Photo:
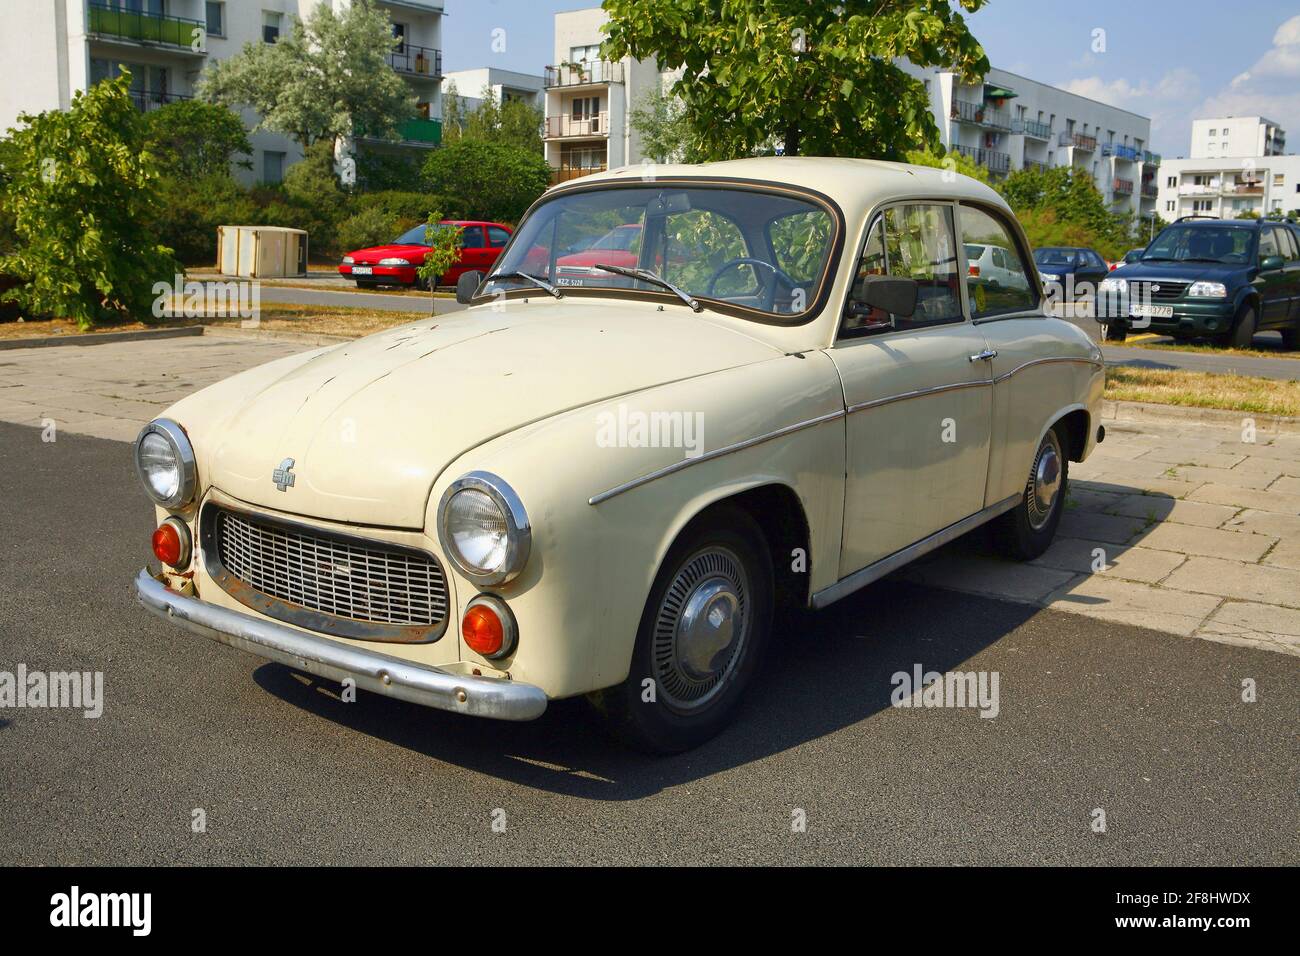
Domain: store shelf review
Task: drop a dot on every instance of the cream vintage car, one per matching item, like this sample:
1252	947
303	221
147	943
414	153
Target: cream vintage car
784	381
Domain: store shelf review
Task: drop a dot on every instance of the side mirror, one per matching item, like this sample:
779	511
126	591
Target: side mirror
1271	263
466	286
888	293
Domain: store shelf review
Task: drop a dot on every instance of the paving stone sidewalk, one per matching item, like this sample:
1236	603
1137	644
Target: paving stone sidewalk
1179	526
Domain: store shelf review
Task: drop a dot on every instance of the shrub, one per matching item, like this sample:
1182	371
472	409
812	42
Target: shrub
194	208
191	138
371	227
481	180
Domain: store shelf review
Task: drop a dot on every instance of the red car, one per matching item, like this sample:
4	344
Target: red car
395	264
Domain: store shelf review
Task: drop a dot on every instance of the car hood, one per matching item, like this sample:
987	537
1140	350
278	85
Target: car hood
371	424
375	253
1183	272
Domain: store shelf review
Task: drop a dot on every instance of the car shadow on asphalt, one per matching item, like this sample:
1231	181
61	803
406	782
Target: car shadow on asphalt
826	671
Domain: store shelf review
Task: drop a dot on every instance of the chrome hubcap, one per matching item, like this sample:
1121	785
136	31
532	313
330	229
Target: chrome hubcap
1044	482
700	629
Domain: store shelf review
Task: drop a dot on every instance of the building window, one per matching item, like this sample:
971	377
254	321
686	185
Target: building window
216	12
272	167
1171	182
585	54
1214	132
399	32
271	22
1201	205
1278	179
1169	206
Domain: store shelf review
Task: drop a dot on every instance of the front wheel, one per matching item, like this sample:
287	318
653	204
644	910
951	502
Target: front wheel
1290	339
1115	332
1243	330
701	637
1026	531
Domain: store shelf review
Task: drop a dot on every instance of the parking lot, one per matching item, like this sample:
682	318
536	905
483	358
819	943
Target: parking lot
1120	690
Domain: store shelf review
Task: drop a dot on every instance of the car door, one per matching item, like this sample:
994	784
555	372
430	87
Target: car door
917	392
497	236
1287	248
1274	284
475	253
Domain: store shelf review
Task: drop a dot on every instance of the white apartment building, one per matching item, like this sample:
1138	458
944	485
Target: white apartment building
68	45
1236	167
1236	136
589	100
1009	122
505	86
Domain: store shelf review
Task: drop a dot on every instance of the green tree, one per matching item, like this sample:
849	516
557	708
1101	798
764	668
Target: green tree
191	138
455	113
82	188
513	122
659	118
819	78
444	242
487	180
957	162
1078	211
328	78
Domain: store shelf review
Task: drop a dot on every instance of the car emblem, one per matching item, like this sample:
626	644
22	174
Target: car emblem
1155	288
283	476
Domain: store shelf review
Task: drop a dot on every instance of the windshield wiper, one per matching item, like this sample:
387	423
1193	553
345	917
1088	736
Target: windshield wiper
540	283
647	276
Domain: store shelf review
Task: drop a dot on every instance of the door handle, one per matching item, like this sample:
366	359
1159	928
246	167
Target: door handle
988	355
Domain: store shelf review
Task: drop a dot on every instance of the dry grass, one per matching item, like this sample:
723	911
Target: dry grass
1238	393
324	320
1169	345
37	328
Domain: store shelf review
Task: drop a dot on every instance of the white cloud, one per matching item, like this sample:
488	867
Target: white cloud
1269	87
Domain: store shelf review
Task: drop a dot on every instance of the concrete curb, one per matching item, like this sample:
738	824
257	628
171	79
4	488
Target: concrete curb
1147	411
98	338
276	335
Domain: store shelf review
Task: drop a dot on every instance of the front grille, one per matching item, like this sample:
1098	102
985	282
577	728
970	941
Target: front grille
346	578
1168	290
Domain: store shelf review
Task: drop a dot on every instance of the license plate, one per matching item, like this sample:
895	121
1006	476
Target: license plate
1152	311
362	271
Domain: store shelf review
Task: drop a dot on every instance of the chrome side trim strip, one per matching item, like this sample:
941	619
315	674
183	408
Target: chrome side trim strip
375	672
918	393
873	572
710	455
1047	361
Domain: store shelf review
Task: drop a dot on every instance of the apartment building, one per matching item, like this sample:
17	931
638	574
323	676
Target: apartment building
1008	122
589	100
503	85
68	45
1236	167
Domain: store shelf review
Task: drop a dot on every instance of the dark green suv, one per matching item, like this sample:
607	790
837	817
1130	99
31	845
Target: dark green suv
1222	279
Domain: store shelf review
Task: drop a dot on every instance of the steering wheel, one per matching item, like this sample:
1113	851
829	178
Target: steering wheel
777	273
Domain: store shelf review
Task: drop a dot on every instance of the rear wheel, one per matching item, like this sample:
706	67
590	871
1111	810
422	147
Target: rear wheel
366	284
1115	332
1243	328
1291	339
1026	531
701	637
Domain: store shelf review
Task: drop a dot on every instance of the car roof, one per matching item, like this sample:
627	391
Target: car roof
1062	249
1219	223
855	184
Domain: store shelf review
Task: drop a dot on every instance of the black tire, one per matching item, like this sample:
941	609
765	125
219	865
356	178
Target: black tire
1243	328
723	549
1114	332
1290	339
363	284
1027	530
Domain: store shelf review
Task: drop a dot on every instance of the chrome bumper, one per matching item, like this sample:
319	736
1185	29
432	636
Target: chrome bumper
378	673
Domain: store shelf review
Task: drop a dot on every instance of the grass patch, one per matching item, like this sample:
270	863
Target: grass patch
324	319
1237	393
38	328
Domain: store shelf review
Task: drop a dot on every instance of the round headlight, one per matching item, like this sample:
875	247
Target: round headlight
484	528
394	261
164	460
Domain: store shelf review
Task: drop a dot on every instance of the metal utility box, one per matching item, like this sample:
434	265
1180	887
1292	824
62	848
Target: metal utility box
261	252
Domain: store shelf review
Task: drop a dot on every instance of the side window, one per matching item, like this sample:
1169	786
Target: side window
995	294
497	237
1268	244
860	318
920	245
472	237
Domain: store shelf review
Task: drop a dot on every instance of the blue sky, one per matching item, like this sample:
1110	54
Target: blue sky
1171	60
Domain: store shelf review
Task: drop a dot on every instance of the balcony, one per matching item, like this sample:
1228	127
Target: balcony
980	115
145	101
412	60
562	174
1119	152
1122	187
1035	165
595	73
1031	128
420	132
566	126
1078	141
991	159
137	28
1199	189
1244	189
1149	189
1149	158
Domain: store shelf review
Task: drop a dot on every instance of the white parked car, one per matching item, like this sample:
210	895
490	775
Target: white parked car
606	490
995	267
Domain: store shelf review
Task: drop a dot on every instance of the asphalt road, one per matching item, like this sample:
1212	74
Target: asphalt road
1147	727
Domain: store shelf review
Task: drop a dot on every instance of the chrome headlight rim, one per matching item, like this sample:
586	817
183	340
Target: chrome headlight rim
186	464
519	532
1207	289
394	261
1114	286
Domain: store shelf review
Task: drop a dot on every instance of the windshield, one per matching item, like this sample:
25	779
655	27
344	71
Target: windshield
1056	257
757	250
1226	244
412	237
